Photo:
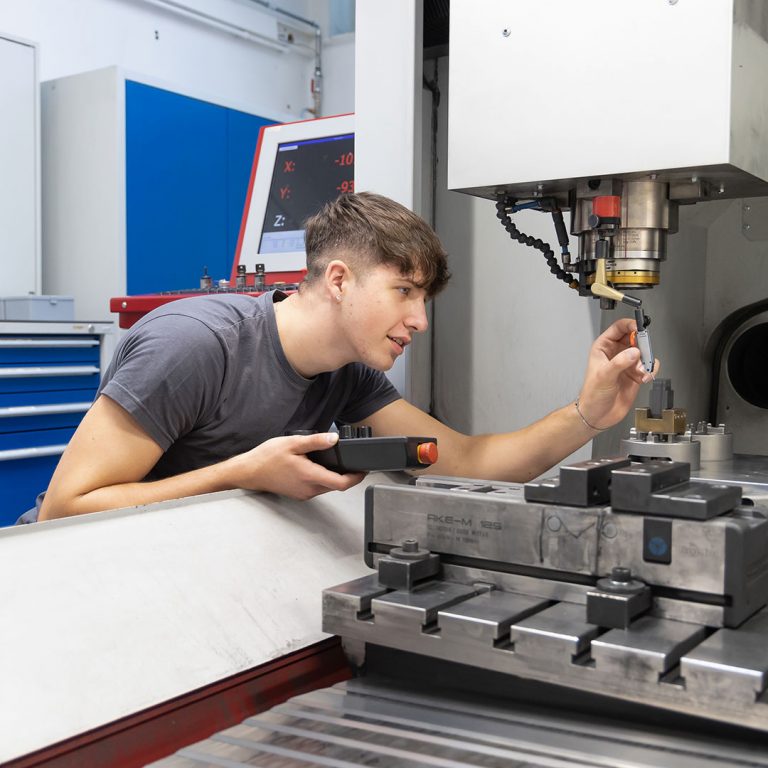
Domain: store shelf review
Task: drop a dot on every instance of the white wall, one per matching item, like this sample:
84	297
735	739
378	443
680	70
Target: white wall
81	35
155	45
20	259
339	75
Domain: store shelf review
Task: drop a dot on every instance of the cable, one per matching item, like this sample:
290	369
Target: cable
505	203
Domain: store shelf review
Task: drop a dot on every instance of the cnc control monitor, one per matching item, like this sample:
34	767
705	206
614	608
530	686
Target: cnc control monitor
306	175
298	168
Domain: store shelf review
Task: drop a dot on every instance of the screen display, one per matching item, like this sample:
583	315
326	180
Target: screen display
307	174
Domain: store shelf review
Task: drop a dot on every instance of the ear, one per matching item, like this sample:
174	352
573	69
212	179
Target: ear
338	275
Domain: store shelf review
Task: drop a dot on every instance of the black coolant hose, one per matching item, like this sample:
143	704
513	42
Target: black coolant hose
501	213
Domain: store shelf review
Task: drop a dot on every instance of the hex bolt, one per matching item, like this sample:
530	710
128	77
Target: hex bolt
506	32
621	575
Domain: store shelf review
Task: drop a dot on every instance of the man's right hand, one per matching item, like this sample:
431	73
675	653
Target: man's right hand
280	465
109	456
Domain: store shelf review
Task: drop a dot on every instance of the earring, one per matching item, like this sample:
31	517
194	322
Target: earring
338	297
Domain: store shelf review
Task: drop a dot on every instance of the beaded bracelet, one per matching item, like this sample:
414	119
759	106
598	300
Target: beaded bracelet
586	423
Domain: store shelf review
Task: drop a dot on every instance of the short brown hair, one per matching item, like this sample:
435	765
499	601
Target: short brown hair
372	229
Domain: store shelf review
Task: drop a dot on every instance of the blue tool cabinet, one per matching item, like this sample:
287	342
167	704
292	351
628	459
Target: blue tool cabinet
143	187
49	375
188	164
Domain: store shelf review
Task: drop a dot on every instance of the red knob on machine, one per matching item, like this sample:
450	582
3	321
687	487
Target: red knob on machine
607	206
426	453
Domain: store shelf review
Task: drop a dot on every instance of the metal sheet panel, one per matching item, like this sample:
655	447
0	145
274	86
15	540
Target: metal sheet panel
134	607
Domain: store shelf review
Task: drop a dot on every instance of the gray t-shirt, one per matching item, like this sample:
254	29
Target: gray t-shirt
207	379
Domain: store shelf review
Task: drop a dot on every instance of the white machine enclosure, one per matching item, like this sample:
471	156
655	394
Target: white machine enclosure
547	96
551	91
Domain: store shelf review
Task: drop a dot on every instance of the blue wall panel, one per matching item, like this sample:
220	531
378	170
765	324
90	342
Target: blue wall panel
176	189
187	170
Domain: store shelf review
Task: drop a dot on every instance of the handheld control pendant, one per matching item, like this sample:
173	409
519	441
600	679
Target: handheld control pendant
642	340
357	450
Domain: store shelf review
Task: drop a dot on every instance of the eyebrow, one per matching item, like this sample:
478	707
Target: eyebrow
412	281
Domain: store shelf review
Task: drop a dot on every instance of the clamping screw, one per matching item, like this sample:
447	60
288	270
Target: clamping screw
410	545
621	575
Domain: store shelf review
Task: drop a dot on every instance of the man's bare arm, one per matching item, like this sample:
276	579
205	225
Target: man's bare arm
514	456
109	455
611	383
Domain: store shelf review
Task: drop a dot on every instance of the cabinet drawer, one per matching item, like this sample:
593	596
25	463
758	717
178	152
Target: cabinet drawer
21	480
21	399
24	418
48	378
15	351
11	442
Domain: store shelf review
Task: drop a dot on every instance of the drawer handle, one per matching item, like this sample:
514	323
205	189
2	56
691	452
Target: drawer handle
43	410
53	370
32	453
16	343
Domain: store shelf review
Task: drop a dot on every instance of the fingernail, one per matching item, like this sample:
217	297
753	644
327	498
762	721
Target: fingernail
333	438
647	378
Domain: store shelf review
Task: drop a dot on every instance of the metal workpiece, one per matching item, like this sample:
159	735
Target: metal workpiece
354	595
418	608
661	432
661	397
617	600
672	421
584	484
663	488
554	637
731	665
662	447
647	650
486	617
406	565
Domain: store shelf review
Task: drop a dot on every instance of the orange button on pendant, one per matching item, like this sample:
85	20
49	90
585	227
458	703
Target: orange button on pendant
426	453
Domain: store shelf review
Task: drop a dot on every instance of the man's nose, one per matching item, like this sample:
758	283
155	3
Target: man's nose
418	321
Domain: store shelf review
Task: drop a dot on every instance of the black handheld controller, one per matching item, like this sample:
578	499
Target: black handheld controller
358	451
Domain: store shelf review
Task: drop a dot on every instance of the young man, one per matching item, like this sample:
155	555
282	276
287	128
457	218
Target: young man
202	391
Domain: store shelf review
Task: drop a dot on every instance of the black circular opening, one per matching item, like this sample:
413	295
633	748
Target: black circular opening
748	365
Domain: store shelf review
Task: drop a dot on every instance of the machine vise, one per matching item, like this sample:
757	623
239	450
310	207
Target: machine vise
621	578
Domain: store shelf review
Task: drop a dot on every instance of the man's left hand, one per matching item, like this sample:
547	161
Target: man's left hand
614	375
